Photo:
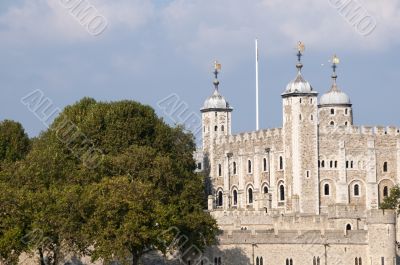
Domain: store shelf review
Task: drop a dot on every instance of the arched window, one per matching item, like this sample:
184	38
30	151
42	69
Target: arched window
280	163
216	128
219	261
359	261
258	261
281	192
356	261
261	261
219	170
345	123
265	189
332	123
335	164
215	261
234	168
348	227
265	164
318	261
235	197
222	128
291	262
287	261
220	199
356	190
326	189
385	167
385	191
249	166
315	261
250	194
331	164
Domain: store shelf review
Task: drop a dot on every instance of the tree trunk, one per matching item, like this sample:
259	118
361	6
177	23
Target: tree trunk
135	259
41	258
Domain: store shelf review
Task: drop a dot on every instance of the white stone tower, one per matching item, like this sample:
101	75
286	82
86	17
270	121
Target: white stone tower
216	114
300	139
335	106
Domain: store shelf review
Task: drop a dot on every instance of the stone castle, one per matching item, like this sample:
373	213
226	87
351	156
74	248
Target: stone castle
306	193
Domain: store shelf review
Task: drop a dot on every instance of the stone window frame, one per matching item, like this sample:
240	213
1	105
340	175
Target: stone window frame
234	188
219	200
248	188
353	189
263	186
249	166
234	168
281	183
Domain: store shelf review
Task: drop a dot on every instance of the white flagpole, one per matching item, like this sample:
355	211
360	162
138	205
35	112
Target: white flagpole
257	107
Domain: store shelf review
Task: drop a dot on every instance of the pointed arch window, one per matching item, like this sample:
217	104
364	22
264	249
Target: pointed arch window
281	192
265	189
250	195
219	199
235	197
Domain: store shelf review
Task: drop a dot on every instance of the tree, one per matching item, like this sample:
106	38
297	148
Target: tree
14	142
393	200
111	180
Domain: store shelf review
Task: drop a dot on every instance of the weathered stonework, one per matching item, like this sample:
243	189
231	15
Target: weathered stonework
310	189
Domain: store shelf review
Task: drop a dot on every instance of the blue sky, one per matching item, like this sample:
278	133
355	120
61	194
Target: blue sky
152	49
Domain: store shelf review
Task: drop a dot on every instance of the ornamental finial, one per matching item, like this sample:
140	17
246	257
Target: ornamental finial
217	69
335	62
300	50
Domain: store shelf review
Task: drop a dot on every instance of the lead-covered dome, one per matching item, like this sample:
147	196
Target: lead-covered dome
299	85
335	97
215	101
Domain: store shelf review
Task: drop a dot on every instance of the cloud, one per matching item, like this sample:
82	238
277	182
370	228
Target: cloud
57	20
226	25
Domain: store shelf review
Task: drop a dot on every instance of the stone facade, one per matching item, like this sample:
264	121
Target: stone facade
306	193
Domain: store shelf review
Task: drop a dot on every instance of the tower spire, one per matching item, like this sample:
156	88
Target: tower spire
335	62
217	69
300	50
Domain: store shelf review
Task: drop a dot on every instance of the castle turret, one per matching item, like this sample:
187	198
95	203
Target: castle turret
216	114
300	131
335	105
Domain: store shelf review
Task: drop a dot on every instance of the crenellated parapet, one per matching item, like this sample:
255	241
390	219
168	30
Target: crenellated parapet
361	130
381	217
249	137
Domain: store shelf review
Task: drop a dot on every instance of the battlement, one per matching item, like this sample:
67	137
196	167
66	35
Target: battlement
249	136
346	211
361	130
381	217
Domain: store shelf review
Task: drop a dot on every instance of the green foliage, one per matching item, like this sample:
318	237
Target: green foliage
14	142
393	200
143	184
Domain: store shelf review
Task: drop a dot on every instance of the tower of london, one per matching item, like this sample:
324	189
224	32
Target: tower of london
306	193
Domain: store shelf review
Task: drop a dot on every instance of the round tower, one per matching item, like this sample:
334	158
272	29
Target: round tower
300	136
216	114
335	105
